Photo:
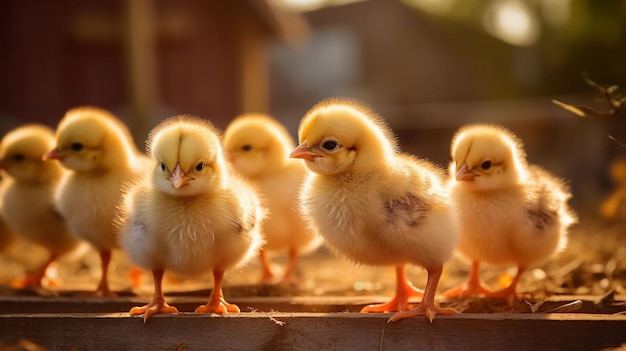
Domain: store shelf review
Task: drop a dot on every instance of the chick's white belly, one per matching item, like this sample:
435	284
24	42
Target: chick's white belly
185	247
365	235
33	218
505	237
90	216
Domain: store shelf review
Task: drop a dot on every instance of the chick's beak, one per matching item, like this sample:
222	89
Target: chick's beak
53	154
465	174
303	152
178	177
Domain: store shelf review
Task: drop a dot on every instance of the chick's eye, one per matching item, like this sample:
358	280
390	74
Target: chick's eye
76	146
485	165
246	147
162	166
18	157
199	166
330	145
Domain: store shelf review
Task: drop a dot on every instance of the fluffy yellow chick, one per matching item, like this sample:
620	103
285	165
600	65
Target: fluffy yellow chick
258	147
373	204
99	153
27	195
193	215
509	212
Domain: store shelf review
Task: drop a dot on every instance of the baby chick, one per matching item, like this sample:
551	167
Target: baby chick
28	195
258	147
193	215
509	212
373	204
99	153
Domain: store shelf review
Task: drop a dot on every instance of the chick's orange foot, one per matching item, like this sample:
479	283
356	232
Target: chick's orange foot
154	307
404	291
219	306
400	302
30	281
423	309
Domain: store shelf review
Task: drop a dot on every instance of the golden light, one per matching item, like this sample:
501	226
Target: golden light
512	21
308	5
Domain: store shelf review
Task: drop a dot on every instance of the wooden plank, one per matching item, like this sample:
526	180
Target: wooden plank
314	331
327	304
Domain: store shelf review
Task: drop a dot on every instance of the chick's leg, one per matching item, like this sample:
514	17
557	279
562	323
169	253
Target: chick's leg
34	279
509	293
103	287
216	303
427	307
267	275
289	277
472	287
158	304
404	291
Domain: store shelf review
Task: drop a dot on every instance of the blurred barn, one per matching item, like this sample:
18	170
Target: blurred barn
427	66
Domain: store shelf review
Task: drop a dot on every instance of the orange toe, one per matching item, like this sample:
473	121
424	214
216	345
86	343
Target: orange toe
27	282
153	308
429	311
219	306
400	302
396	304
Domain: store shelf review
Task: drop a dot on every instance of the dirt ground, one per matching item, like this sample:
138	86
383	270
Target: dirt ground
592	264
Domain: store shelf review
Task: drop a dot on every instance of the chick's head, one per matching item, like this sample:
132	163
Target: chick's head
487	157
342	135
188	156
257	144
21	154
91	139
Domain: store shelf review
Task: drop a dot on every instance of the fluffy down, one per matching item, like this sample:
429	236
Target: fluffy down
192	214
98	151
509	212
258	148
372	203
27	195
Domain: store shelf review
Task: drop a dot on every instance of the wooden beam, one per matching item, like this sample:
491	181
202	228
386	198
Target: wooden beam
254	66
314	331
326	304
141	65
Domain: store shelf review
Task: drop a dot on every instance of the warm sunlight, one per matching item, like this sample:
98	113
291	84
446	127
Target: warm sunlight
513	22
308	5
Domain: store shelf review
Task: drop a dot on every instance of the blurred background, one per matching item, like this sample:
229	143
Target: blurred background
427	66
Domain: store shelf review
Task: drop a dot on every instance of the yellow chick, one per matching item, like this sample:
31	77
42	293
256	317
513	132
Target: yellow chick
27	195
99	153
372	203
193	215
509	212
258	148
